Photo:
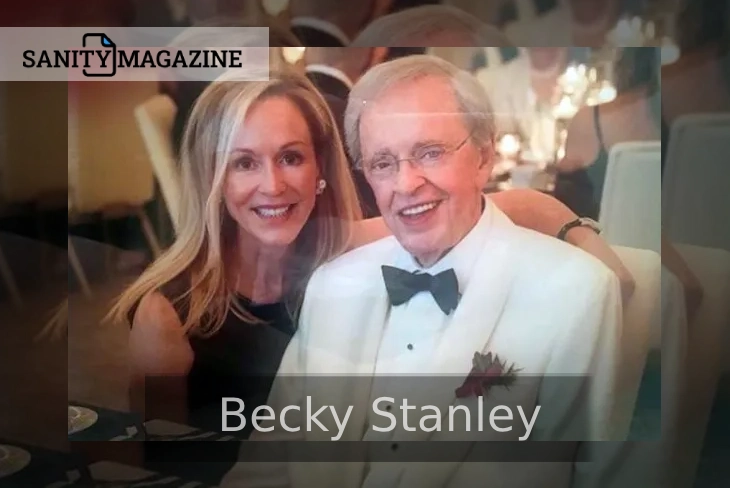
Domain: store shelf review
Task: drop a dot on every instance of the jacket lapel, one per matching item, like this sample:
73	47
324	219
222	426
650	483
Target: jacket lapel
346	378
473	322
470	330
480	307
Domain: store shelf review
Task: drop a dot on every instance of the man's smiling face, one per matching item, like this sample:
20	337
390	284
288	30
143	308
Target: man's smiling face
429	208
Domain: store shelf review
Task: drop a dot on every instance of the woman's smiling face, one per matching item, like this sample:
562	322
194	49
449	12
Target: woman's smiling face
271	178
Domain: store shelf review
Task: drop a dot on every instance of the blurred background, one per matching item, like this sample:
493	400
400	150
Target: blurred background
626	129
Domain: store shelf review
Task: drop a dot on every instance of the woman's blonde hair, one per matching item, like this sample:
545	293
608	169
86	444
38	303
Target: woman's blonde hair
207	232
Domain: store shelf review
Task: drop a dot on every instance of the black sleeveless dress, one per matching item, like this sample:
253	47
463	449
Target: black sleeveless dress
581	190
240	360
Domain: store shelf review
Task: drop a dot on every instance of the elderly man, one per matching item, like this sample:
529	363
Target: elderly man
458	292
333	70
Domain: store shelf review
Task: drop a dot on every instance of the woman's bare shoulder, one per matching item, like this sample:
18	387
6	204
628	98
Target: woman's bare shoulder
158	343
367	231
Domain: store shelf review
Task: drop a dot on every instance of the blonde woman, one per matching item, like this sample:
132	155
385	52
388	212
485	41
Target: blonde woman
268	198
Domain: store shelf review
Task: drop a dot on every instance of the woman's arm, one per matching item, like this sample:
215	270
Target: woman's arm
542	213
693	292
366	231
161	358
533	210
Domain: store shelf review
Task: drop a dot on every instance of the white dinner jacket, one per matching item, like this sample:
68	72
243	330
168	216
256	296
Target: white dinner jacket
540	303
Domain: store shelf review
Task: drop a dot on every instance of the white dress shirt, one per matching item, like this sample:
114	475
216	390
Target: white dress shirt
413	328
412	333
513	283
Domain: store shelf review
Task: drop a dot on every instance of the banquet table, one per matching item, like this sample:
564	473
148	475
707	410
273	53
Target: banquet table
92	461
508	174
23	465
36	467
104	450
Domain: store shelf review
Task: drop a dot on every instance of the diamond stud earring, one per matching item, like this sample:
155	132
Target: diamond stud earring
321	185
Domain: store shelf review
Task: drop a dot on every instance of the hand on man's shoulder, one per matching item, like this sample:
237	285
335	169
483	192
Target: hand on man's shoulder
553	257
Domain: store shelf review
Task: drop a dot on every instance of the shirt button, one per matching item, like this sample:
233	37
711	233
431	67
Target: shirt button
387	408
394	446
410	347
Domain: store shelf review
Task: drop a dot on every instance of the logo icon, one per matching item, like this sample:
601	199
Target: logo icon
105	50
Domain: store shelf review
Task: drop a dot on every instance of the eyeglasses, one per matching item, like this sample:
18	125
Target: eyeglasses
426	157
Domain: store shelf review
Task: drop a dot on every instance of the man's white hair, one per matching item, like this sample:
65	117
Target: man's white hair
425	22
471	98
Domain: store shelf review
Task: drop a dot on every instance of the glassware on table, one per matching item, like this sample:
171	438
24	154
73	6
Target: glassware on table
508	150
601	93
566	108
509	146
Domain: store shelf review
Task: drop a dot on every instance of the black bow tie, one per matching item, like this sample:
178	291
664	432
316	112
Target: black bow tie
402	285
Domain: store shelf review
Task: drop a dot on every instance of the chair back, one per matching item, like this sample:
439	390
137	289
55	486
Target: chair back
695	205
155	118
631	211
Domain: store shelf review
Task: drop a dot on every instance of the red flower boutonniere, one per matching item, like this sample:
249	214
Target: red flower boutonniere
487	371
